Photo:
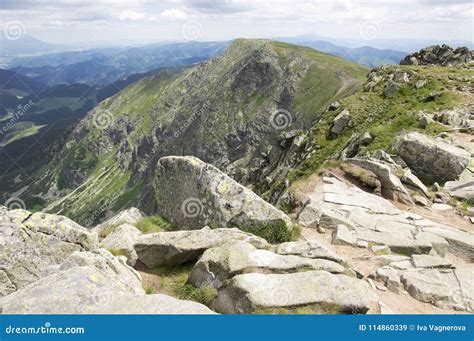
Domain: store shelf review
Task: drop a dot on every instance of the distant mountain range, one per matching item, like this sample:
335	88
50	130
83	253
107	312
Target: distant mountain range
103	66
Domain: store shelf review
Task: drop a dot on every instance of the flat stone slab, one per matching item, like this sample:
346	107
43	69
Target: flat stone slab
426	261
309	249
256	292
445	289
358	217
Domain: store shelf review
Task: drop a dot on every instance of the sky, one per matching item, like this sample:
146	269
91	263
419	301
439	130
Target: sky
75	22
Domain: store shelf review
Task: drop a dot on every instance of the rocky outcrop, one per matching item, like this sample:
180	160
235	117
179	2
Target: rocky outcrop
175	248
431	158
355	216
93	283
192	194
440	55
30	243
219	264
315	291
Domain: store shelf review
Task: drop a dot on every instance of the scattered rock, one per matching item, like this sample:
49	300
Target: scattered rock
91	282
391	89
309	216
389	277
392	187
129	216
340	122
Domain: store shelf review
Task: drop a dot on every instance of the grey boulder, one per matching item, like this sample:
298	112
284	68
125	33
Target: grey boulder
192	194
178	247
430	157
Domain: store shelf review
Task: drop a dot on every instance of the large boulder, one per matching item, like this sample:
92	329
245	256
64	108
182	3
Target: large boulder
340	122
30	243
219	264
192	194
315	291
90	283
178	247
432	158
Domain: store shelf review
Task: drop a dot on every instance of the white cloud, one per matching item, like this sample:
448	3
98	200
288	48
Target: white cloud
127	15
174	13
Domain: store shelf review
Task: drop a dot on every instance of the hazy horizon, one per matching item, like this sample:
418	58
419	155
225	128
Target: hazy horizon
134	22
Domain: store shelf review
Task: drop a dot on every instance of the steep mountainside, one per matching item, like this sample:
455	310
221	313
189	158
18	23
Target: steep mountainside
234	112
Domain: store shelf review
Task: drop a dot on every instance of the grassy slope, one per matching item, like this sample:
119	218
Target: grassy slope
384	117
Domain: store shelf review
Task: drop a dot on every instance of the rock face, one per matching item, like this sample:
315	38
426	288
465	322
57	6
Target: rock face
441	55
255	292
193	194
430	157
93	283
175	248
30	243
